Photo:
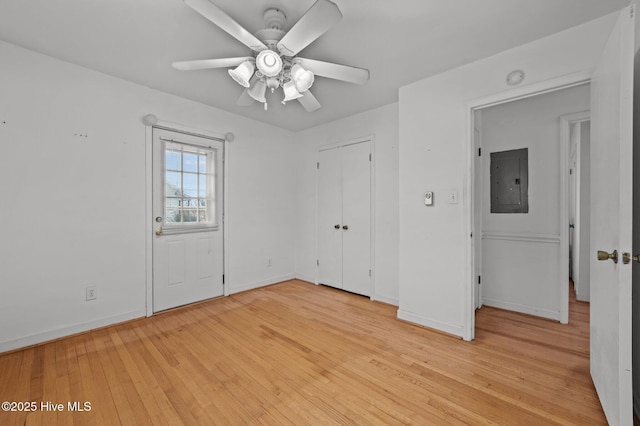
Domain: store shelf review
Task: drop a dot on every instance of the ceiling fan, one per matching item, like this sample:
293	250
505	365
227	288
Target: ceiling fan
274	62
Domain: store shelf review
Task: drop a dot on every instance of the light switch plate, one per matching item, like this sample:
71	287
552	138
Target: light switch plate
453	197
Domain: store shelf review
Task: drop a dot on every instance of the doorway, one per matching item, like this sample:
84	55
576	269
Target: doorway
521	180
576	128
187	219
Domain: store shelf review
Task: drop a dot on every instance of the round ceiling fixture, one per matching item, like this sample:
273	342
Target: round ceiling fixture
269	63
515	77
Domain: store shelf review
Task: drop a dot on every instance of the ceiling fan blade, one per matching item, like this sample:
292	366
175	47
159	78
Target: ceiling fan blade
323	15
335	71
245	99
204	64
224	21
309	102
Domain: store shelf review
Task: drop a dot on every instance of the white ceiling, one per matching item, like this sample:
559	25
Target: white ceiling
398	41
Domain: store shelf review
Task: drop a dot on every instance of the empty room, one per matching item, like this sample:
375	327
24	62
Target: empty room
319	212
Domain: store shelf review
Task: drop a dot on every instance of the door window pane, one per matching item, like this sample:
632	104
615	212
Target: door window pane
189	185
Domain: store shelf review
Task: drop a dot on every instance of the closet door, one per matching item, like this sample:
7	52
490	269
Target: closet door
356	218
330	218
344	218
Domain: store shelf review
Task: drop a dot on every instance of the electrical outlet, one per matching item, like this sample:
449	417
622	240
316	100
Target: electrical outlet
91	293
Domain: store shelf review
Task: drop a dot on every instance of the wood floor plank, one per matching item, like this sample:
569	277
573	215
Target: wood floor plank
296	353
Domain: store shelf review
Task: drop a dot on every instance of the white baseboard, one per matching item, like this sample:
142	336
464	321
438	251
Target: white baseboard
385	299
46	336
306	278
523	309
258	284
454	329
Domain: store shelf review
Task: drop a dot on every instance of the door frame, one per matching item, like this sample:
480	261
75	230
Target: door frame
470	209
148	226
566	121
334	145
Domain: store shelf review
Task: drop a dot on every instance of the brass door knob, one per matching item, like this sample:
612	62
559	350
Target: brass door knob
159	232
627	257
603	255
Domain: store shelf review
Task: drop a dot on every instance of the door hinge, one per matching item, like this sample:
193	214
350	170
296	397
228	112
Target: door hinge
472	235
317	262
369	157
318	165
479	152
479	280
369	273
570	171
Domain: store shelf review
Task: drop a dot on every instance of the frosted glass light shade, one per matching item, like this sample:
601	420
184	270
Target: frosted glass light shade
302	78
242	73
258	91
269	63
290	91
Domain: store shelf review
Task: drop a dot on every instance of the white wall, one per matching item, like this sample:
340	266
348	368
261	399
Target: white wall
434	275
521	252
73	196
382	124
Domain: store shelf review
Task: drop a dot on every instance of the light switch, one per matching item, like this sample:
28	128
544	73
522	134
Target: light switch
453	197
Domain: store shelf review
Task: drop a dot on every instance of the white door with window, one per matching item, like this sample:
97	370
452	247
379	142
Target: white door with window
187	218
344	217
611	221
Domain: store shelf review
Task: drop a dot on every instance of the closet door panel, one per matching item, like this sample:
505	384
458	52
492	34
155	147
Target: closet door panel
356	213
330	218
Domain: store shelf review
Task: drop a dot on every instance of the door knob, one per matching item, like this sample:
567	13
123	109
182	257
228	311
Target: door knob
159	232
603	255
627	257
345	227
337	226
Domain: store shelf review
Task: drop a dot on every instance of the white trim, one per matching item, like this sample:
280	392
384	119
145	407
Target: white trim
385	299
528	238
524	309
57	333
226	265
148	220
180	128
354	141
262	283
562	82
454	329
303	277
565	141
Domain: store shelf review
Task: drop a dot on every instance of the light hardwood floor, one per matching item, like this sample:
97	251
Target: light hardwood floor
296	353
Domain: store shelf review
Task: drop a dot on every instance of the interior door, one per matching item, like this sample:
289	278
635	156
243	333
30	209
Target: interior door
187	219
356	214
611	221
573	186
330	217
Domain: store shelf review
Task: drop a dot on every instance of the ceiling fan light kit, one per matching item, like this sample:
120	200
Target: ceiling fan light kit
242	73
275	63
